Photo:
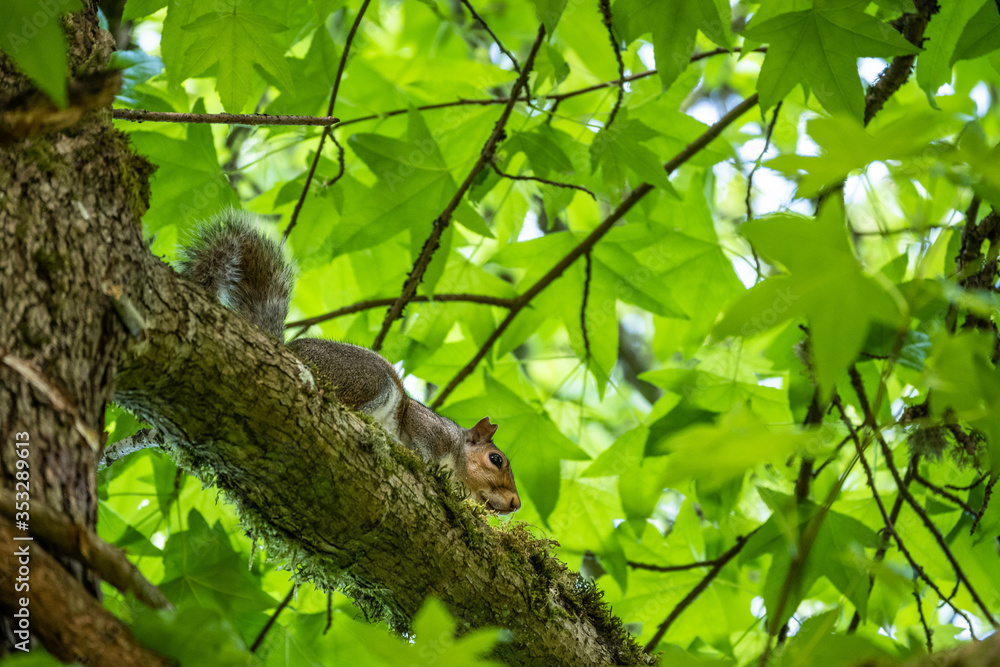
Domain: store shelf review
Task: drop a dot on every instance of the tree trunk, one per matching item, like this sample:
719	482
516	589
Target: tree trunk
70	205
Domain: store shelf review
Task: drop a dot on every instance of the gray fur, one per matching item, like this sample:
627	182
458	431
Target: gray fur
232	258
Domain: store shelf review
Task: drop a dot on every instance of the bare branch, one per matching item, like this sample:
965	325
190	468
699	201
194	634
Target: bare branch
944	494
146	438
557	97
71	623
142	116
898	71
443	220
583	305
496	40
584	246
986	502
607	19
903	489
270	621
518	177
360	306
699	588
329	112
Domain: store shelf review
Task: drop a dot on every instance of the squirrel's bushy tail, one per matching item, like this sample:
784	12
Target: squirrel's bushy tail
232	258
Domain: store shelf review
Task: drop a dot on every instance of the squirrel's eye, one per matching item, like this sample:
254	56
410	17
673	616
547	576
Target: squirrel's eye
496	460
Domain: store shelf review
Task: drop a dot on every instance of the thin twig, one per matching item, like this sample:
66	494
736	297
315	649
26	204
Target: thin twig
518	177
671	568
496	40
831	458
584	246
944	494
502	302
329	612
923	622
441	223
270	622
871	422
583	305
968	487
556	97
888	519
329	112
756	166
146	438
340	161
608	20
141	116
986	502
699	588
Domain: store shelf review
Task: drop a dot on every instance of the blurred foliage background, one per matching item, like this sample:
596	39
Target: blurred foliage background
684	406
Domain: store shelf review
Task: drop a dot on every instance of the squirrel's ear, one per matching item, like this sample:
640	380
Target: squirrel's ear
483	431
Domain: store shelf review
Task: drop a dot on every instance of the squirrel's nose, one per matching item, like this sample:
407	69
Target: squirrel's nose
515	503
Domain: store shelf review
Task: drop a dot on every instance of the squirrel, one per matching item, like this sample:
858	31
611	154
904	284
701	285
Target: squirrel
235	261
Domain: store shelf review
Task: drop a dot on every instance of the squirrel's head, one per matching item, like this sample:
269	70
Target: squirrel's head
487	472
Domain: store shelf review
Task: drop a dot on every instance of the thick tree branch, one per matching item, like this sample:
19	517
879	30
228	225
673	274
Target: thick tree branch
315	483
69	620
70	538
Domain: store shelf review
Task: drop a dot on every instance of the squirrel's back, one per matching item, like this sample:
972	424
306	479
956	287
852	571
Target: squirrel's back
239	264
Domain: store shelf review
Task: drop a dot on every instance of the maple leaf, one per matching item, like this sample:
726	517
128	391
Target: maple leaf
236	41
819	48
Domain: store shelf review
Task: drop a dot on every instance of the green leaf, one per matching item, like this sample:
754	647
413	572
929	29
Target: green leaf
137	9
118	532
434	632
818	48
549	12
675	24
202	569
619	148
816	644
192	636
941	38
980	36
31	35
714	454
846	146
235	41
825	285
541	147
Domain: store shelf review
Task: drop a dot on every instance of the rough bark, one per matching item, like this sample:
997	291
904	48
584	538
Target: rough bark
327	490
315	482
69	226
71	622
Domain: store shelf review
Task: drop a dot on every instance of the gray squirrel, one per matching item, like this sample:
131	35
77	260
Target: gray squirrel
234	260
